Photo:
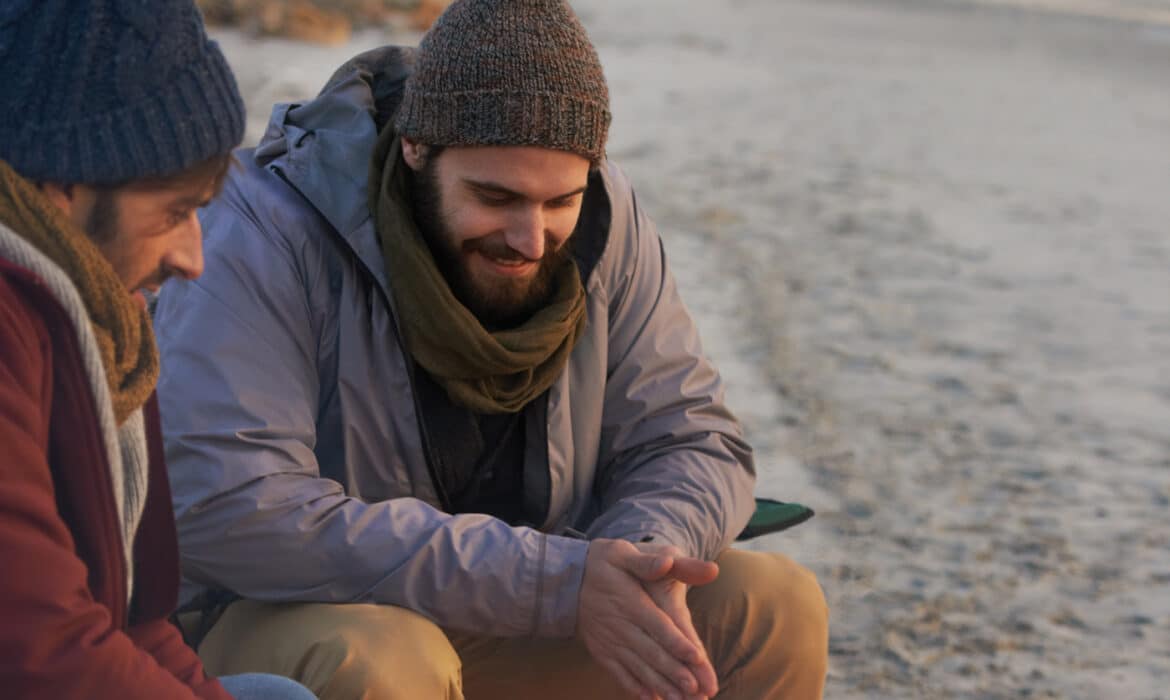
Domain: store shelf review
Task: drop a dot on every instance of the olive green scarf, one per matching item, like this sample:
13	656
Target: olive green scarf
120	324
488	372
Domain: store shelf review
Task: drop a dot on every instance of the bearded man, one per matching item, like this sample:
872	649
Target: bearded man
438	422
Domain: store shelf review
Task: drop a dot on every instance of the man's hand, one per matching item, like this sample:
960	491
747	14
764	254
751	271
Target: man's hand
633	636
669	593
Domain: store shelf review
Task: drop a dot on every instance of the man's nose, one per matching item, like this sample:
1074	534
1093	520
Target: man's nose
185	259
527	233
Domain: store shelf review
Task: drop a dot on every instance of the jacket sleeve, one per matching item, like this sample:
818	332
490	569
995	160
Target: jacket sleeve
165	644
56	641
673	464
239	396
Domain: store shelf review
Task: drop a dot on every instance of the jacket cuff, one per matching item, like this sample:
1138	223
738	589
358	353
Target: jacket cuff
559	587
636	533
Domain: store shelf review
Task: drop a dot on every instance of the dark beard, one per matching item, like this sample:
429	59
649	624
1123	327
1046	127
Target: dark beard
496	306
102	223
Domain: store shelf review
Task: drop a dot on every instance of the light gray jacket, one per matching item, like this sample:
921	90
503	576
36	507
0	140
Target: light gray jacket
297	465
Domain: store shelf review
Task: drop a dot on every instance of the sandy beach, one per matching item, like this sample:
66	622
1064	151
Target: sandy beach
928	244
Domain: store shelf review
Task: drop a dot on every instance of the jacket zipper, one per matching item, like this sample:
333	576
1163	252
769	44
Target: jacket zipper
428	456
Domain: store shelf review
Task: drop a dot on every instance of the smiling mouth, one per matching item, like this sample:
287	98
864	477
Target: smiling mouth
510	266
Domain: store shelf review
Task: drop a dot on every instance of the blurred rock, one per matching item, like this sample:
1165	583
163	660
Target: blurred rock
302	20
321	21
427	12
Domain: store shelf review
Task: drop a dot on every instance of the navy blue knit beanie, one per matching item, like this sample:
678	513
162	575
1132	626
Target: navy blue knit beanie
108	91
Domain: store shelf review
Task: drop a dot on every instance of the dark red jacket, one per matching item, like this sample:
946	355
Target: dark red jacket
65	629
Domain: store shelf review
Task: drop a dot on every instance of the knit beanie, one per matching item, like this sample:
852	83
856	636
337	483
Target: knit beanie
108	91
507	73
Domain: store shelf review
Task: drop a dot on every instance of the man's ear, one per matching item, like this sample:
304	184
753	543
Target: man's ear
62	196
415	154
75	200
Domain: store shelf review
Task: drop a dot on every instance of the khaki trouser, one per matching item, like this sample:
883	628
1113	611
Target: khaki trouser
764	622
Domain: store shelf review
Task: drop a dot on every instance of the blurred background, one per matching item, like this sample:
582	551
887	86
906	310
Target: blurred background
928	245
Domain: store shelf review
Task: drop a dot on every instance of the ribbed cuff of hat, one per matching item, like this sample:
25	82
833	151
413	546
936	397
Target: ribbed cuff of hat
499	117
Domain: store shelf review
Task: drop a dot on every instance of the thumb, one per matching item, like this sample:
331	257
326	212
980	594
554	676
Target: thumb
649	567
694	572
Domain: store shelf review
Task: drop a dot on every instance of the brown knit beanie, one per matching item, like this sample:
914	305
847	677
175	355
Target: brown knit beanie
507	73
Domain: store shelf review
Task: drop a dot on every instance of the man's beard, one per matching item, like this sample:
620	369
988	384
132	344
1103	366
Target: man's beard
103	227
497	303
102	223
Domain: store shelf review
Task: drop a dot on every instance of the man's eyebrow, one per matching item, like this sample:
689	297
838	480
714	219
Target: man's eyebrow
493	188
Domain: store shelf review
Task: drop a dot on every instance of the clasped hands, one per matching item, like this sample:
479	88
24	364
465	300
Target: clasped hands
633	619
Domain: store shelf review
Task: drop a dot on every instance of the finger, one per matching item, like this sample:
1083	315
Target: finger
675	607
643	566
690	570
708	682
671	599
694	572
679	665
702	670
650	678
677	672
624	678
658	626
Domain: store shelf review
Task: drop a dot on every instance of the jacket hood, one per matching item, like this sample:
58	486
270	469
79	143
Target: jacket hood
322	147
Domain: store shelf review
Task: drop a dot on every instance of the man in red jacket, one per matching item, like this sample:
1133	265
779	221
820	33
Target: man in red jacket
117	120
